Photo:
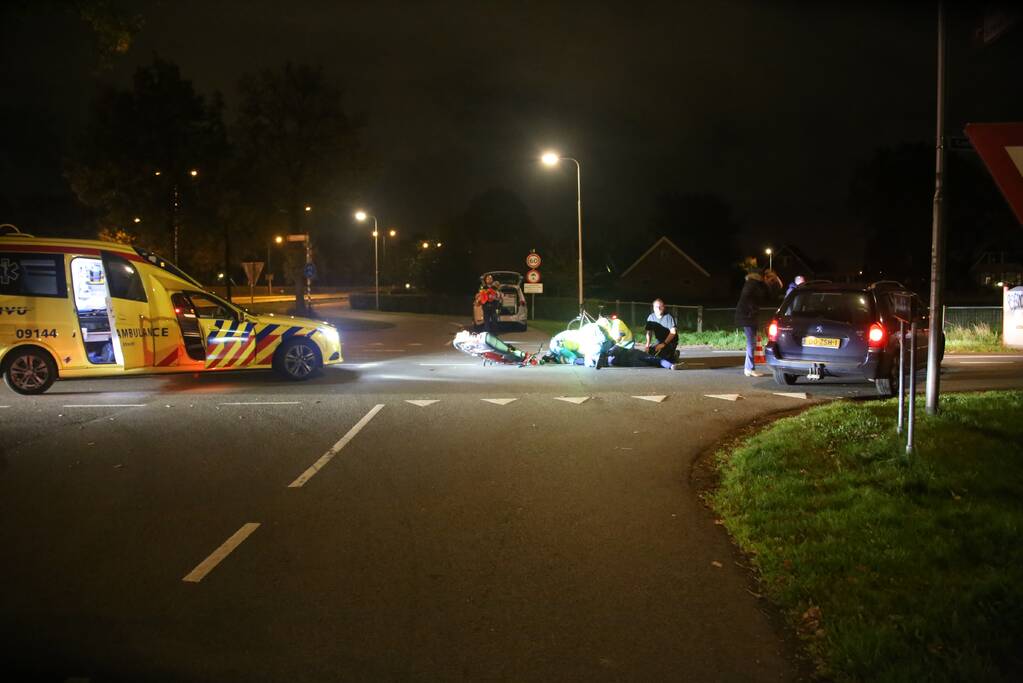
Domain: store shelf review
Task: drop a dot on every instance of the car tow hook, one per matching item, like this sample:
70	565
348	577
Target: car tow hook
815	372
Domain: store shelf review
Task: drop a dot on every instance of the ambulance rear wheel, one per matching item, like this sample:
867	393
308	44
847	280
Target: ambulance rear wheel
298	359
29	371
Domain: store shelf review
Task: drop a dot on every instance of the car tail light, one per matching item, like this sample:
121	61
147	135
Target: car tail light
772	331
876	335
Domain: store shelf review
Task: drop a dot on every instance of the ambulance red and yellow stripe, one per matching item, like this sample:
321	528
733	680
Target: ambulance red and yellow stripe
237	344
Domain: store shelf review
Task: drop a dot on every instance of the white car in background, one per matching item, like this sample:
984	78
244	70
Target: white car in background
513	313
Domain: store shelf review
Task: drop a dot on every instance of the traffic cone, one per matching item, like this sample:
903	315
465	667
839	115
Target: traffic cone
758	353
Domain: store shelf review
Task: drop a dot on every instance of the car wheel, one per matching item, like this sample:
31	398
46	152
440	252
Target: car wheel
30	371
298	359
783	378
886	386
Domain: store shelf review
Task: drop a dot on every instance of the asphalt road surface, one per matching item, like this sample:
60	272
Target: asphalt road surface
410	515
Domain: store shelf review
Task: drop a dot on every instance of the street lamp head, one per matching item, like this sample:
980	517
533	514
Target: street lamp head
439	244
426	245
308	208
157	172
278	239
550	159
194	172
375	233
392	232
768	251
136	219
360	215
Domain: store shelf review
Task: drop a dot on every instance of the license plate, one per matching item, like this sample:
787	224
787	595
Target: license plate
822	342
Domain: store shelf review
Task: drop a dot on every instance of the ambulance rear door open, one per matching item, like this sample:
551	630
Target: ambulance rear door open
112	309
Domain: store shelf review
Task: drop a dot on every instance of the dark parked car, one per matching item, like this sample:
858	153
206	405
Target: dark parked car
843	330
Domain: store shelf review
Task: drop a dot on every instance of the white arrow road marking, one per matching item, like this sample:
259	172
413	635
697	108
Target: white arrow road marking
655	399
422	402
572	399
498	401
218	555
724	397
342	442
792	394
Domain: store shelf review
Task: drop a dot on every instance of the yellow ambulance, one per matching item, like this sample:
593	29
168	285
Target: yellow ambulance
85	308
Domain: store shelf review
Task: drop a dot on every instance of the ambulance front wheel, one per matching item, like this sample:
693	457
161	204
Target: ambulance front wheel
29	371
298	359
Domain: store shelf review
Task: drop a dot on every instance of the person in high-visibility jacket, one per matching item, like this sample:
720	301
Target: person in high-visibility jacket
489	301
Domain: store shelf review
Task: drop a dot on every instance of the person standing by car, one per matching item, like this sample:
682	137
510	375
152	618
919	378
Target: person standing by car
660	325
489	300
755	293
796	281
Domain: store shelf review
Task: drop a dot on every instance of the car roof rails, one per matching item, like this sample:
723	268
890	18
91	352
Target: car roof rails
887	283
8	229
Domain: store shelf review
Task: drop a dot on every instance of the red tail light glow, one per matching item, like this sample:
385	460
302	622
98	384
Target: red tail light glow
772	331
876	336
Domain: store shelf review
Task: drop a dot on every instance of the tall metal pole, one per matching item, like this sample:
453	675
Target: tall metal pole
376	263
174	219
937	235
579	214
902	374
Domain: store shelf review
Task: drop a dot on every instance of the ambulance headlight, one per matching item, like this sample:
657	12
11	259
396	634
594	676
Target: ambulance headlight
330	333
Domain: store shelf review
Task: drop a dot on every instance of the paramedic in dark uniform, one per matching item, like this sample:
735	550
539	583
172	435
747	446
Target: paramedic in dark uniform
661	326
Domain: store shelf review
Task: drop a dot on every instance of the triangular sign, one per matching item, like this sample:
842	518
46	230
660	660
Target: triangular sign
498	401
792	394
572	399
422	402
1000	146
724	397
655	399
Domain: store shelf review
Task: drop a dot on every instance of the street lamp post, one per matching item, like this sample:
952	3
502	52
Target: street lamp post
361	216
278	240
390	233
770	257
552	159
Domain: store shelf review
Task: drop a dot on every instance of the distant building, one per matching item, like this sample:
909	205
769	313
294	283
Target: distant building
789	262
667	272
998	266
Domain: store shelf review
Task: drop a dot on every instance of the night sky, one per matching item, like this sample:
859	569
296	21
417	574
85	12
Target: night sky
769	105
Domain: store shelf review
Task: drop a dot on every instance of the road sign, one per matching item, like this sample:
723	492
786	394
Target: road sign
532	288
252	270
309	271
298	238
533	260
902	306
532	276
1000	146
1012	316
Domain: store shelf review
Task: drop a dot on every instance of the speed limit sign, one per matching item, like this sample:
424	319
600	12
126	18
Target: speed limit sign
533	260
532	276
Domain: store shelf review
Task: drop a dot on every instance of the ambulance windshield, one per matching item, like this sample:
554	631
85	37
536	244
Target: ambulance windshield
163	263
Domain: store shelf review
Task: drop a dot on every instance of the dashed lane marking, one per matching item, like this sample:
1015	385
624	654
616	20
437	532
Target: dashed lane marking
654	399
422	402
336	448
499	401
792	394
105	405
262	403
573	399
218	555
449	365
725	397
414	344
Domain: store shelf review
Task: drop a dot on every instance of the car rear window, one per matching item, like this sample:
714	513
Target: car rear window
853	307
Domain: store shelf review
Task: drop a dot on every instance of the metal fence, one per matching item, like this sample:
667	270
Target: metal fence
634	313
967	316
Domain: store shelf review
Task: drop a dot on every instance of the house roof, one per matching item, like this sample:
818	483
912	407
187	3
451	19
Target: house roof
673	246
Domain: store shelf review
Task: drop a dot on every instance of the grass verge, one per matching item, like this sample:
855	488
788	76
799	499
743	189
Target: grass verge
976	338
889	571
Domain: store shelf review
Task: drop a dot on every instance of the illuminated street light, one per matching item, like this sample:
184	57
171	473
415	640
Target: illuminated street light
770	257
552	159
392	232
426	245
136	219
308	208
156	173
193	173
361	216
278	239
438	244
